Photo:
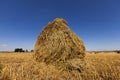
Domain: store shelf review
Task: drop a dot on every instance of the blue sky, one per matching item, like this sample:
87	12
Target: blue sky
97	22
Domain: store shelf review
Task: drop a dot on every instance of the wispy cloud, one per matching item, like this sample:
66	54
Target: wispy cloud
3	45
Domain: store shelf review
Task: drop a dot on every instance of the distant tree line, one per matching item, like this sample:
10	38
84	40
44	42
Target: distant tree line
21	50
118	51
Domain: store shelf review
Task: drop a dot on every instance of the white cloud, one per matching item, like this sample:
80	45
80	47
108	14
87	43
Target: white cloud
3	45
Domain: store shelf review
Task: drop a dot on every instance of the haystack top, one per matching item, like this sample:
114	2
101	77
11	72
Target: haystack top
59	21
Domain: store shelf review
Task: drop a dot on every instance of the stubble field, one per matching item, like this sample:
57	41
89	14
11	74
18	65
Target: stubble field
21	66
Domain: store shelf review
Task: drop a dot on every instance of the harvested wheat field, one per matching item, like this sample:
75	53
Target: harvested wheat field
59	40
20	66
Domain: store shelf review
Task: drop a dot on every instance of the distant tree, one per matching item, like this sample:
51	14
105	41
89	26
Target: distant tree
26	50
118	51
32	50
19	50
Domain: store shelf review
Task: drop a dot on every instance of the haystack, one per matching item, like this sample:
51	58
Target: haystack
1	66
59	46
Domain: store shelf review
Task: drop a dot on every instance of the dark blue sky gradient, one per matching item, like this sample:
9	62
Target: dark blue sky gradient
97	22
